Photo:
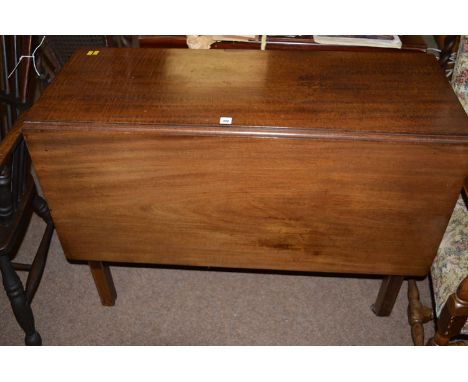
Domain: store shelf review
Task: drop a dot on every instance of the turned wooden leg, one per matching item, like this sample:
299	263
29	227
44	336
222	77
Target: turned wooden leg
453	316
387	296
104	283
418	314
37	268
19	303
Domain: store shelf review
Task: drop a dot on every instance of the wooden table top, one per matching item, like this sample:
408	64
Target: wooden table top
335	92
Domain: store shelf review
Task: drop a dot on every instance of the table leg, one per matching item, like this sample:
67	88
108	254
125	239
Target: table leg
104	283
21	308
387	296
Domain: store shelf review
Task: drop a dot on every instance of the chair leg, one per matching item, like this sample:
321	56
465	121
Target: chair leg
453	316
387	296
418	314
104	283
37	268
19	303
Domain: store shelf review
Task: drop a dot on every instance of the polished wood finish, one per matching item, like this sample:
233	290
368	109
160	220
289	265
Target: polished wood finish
9	143
387	296
335	162
267	203
104	283
352	94
418	314
453	316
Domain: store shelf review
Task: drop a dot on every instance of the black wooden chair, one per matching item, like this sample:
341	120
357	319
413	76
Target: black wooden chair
18	194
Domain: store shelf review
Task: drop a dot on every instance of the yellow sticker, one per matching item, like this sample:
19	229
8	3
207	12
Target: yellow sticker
90	53
96	52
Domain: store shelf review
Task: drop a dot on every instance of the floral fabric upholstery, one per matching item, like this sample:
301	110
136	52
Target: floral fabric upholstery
460	73
450	266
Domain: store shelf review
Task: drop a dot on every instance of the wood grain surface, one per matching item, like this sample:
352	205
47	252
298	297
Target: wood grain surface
335	162
9	143
382	92
294	204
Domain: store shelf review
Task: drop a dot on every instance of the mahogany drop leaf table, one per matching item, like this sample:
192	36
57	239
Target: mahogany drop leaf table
342	162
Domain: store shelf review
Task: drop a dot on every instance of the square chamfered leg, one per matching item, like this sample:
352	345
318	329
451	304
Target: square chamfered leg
387	296
104	283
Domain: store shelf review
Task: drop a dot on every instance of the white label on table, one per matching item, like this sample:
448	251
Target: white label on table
225	120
